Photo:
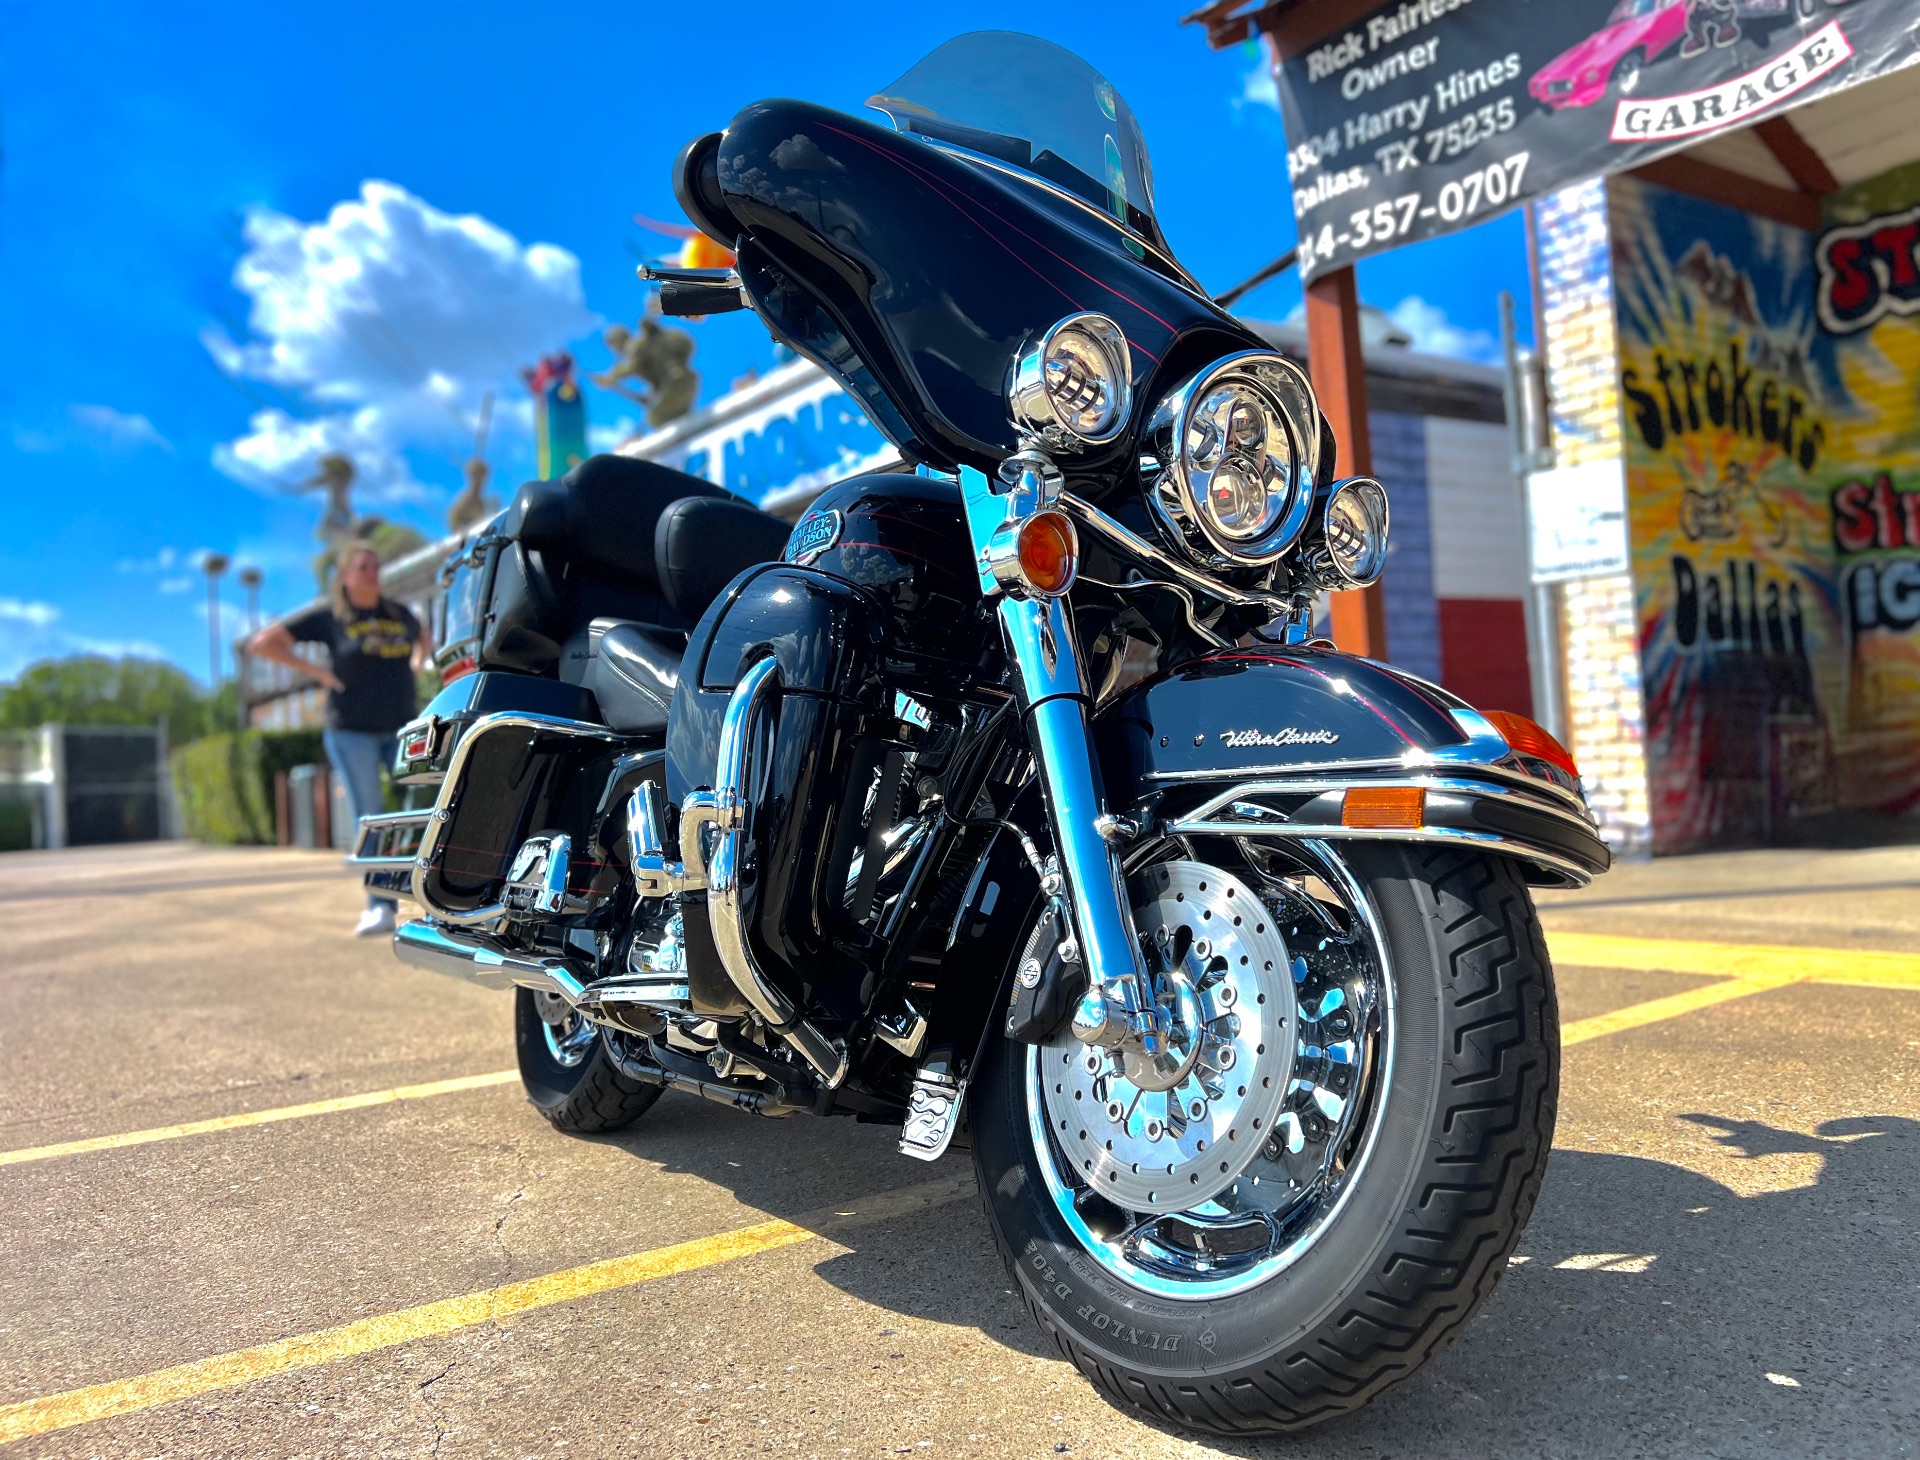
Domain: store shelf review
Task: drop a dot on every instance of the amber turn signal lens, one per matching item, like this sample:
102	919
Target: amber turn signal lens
1527	738
1396	806
1049	551
701	252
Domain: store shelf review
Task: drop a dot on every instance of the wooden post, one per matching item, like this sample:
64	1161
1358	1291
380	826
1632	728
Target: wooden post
1340	380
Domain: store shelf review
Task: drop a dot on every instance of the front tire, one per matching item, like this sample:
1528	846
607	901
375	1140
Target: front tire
1460	1122
569	1073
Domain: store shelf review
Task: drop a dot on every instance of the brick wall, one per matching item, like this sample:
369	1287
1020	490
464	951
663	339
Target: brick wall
1606	717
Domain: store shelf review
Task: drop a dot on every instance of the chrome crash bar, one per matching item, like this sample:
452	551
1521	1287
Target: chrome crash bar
455	783
725	808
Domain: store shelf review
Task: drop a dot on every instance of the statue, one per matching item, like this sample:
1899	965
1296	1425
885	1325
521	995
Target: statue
333	474
659	356
475	504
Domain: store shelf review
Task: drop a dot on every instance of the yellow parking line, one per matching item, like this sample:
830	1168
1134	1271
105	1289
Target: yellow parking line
1863	967
1750	967
259	1117
164	1386
1674	1005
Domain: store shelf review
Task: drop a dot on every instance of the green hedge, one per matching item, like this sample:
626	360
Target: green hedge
225	782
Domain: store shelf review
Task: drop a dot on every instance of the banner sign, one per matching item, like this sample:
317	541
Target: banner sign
1427	116
785	435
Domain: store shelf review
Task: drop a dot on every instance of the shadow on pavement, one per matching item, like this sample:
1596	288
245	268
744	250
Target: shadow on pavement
1646	1312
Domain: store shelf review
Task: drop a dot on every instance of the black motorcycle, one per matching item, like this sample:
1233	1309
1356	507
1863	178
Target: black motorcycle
1010	793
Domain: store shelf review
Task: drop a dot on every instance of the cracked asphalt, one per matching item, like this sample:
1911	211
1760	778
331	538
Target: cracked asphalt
1725	1260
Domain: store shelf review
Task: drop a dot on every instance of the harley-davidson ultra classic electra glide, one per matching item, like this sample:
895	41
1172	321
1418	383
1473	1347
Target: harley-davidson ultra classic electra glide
1009	797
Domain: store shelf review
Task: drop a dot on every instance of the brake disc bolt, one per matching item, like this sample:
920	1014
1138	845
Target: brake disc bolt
1114	1112
1198	1110
1154	1130
1223	1057
1224	996
1202	948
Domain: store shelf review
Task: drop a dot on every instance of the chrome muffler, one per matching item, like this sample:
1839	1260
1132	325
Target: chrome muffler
441	950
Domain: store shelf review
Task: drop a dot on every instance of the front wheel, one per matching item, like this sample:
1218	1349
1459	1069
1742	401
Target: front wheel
567	1070
1626	73
1319	1178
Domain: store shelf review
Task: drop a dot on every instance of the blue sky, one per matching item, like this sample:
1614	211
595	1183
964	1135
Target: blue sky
173	248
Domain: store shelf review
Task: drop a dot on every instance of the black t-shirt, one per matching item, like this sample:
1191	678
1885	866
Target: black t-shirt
373	659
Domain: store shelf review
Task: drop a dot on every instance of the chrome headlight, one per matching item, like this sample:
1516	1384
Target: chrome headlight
1345	545
1238	450
1075	387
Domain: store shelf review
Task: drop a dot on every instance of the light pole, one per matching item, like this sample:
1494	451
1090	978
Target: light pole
213	565
250	579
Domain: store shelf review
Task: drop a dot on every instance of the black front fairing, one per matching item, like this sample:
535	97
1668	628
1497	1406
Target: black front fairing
915	274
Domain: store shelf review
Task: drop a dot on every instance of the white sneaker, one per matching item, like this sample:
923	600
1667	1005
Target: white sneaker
374	922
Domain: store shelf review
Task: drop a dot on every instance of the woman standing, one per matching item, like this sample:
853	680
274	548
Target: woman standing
374	646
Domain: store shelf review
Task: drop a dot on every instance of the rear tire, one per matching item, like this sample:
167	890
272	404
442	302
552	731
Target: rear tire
1463	1125
579	1088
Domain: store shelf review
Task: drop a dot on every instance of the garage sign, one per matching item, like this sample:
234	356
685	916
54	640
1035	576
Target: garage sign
1426	116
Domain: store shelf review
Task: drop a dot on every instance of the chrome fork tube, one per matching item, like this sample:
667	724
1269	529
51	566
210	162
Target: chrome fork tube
1040	642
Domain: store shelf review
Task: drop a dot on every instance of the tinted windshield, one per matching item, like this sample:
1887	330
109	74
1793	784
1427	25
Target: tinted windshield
1028	102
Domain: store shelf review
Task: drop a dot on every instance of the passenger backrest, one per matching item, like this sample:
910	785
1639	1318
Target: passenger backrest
700	545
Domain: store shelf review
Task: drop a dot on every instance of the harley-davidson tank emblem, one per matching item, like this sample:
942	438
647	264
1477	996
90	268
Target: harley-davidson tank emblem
813	535
1286	735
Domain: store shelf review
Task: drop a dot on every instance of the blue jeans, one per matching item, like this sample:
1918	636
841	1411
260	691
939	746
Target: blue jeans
357	757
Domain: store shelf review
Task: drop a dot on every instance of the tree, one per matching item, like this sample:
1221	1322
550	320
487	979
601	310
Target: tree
91	689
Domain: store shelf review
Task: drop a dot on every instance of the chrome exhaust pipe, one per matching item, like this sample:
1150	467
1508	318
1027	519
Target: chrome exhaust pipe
726	808
427	945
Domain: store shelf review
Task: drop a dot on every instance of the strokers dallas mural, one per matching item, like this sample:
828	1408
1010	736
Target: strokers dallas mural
1770	384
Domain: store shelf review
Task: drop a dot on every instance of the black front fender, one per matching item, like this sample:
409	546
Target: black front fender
1268	743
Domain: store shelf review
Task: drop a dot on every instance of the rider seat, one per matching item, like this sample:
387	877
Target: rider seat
619	539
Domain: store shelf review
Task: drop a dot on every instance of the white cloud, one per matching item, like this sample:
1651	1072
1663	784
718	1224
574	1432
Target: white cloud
1434	334
175	585
1258	87
118	430
280	450
393	318
30	631
605	438
165	560
113	648
101	427
22	611
34	441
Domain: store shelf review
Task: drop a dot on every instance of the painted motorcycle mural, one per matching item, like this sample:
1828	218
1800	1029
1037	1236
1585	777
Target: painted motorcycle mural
1008	796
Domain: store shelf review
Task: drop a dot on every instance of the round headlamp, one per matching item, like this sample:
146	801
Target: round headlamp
1238	451
1345	545
1075	387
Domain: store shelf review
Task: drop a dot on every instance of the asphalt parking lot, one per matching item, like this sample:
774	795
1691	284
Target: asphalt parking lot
265	1191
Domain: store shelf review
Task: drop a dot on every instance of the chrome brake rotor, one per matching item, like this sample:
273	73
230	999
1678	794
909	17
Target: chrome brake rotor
1166	1134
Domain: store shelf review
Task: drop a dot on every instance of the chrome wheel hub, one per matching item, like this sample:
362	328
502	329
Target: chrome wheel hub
1281	1041
569	1036
1168	1131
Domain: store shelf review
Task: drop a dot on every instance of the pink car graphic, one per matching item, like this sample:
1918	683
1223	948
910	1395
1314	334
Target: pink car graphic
1613	56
